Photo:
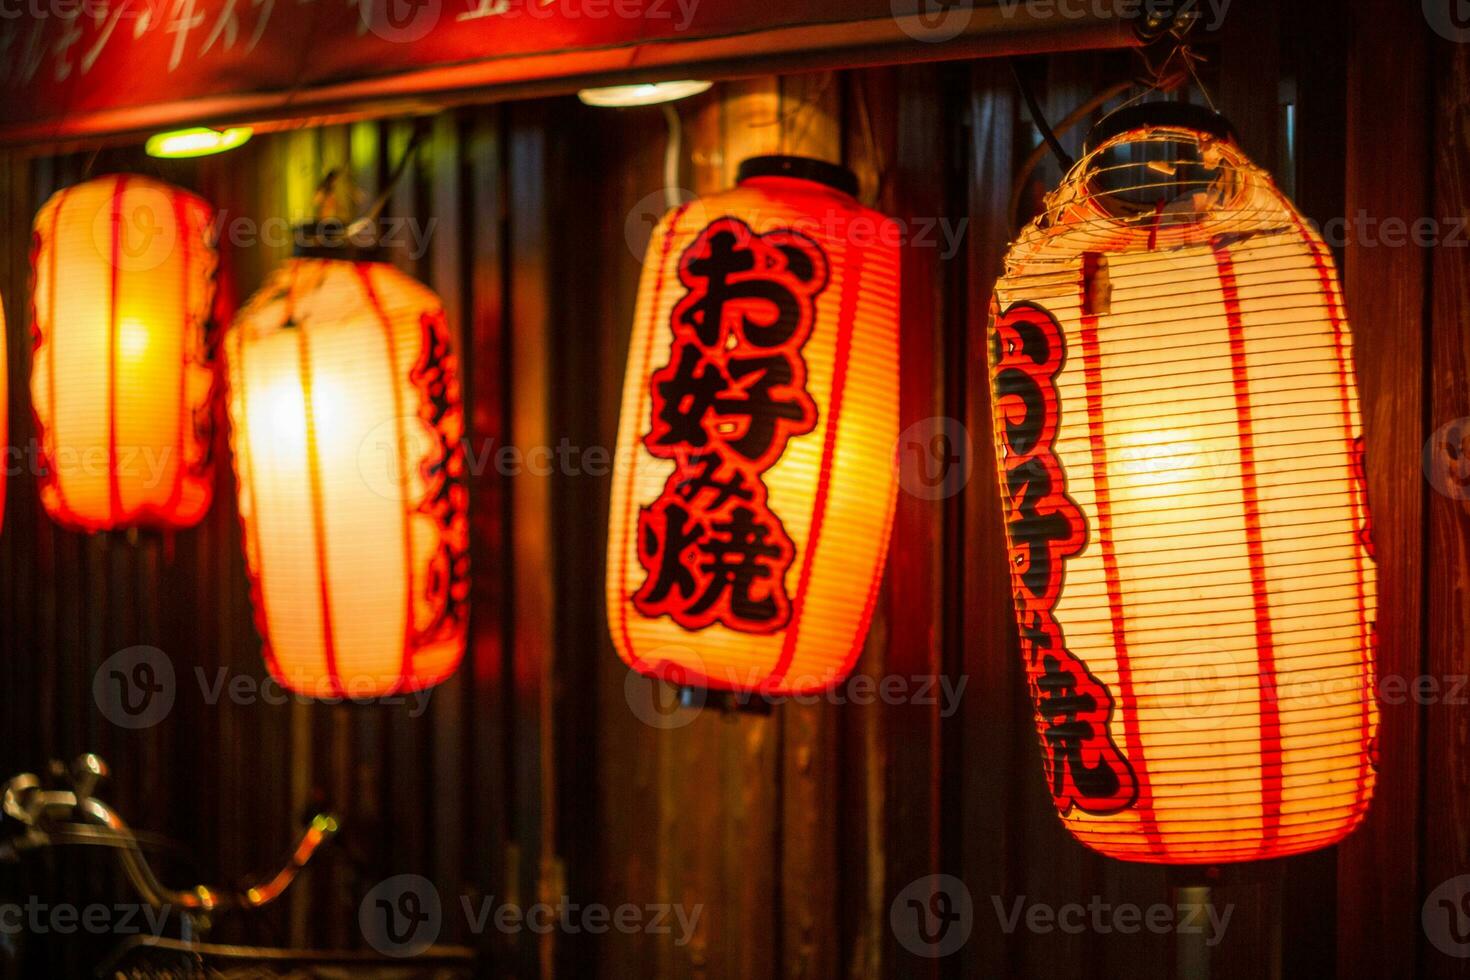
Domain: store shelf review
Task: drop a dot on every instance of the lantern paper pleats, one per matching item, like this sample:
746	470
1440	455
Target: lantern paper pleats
121	376
754	486
347	432
1180	455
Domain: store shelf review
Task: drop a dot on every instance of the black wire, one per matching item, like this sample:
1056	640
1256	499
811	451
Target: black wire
1063	157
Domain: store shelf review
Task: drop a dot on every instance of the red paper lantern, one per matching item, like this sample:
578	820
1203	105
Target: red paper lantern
754	486
1180	458
121	375
347	432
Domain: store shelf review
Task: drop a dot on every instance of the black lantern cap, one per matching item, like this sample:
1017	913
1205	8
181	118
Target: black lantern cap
330	238
1180	114
833	175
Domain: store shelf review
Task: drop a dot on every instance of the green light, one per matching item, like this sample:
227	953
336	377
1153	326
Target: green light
198	141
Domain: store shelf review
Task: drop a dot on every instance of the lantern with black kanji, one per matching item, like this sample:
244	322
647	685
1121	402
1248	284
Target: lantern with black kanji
121	376
347	432
754	487
1181	470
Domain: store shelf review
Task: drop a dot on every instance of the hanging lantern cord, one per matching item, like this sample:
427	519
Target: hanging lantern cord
1033	160
370	216
1064	159
672	154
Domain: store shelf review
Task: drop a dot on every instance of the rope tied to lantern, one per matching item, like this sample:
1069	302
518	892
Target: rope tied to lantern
1181	468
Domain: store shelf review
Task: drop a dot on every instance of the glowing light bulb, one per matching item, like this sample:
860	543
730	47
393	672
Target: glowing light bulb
197	141
644	93
133	339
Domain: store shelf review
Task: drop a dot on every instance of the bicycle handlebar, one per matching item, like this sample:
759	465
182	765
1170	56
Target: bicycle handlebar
51	817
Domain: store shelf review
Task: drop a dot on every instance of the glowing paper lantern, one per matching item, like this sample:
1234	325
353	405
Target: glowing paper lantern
1178	432
754	487
121	377
348	440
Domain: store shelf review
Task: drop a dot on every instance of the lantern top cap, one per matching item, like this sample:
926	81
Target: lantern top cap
1178	115
330	238
832	175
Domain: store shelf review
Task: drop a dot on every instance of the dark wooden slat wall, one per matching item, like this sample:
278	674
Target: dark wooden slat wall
1389	173
530	776
1446	841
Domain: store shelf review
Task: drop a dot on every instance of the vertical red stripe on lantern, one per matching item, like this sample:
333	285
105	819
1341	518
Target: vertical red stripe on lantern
318	521
114	492
1255	550
755	479
181	219
1127	698
824	480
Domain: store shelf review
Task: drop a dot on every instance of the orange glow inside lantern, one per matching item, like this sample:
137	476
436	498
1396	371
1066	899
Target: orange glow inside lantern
754	487
121	377
1181	464
347	431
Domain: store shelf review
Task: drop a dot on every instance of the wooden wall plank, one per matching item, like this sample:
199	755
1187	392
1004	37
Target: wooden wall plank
1388	141
1446	772
533	286
487	763
995	711
914	600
